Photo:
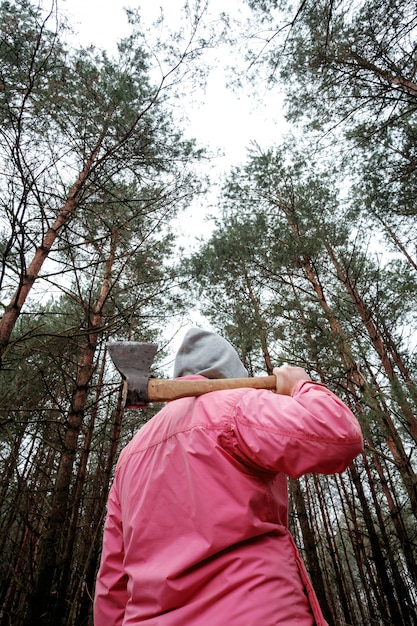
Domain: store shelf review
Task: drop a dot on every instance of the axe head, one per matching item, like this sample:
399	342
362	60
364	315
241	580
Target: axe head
133	360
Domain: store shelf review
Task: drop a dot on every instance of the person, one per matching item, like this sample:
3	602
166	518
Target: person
196	531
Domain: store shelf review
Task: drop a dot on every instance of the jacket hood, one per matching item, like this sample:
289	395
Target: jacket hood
207	354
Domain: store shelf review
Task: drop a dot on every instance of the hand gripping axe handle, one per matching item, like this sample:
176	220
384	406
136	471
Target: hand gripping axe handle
133	361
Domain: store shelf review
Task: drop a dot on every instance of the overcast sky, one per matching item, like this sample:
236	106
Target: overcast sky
223	120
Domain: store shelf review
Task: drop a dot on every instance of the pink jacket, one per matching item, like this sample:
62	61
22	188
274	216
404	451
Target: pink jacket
196	531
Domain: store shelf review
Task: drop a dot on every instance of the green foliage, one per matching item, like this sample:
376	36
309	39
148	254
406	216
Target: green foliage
349	76
311	262
80	109
93	168
345	57
31	61
288	256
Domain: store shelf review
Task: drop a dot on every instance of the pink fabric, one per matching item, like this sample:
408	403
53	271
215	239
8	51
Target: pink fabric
196	531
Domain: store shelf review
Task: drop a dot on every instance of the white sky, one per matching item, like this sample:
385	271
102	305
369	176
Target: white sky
222	121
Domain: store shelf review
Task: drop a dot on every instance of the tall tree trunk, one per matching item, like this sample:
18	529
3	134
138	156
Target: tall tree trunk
405	602
386	350
362	562
377	402
12	311
383	587
310	548
260	325
43	609
353	373
398	243
66	591
339	585
81	609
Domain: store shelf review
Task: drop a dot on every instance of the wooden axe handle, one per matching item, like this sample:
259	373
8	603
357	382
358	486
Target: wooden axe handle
161	390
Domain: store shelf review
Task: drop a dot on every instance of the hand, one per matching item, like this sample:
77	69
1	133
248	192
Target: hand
288	377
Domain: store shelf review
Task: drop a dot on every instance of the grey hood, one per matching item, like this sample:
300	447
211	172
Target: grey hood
207	354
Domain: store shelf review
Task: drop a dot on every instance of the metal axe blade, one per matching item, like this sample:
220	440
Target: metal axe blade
133	361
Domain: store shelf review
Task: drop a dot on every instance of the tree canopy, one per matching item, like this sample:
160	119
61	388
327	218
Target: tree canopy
310	261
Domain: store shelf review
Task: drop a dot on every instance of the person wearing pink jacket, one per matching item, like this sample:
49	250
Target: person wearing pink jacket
196	531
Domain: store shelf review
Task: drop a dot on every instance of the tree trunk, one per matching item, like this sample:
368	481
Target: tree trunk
310	548
405	603
383	587
385	350
44	607
340	564
12	311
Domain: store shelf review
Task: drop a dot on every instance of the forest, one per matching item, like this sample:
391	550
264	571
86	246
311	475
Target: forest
311	260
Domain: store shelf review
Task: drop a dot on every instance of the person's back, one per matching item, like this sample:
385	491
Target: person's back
197	516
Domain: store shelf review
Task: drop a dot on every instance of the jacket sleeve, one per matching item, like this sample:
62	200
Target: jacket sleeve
111	584
312	431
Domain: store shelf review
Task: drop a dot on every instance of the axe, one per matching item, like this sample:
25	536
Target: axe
133	361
